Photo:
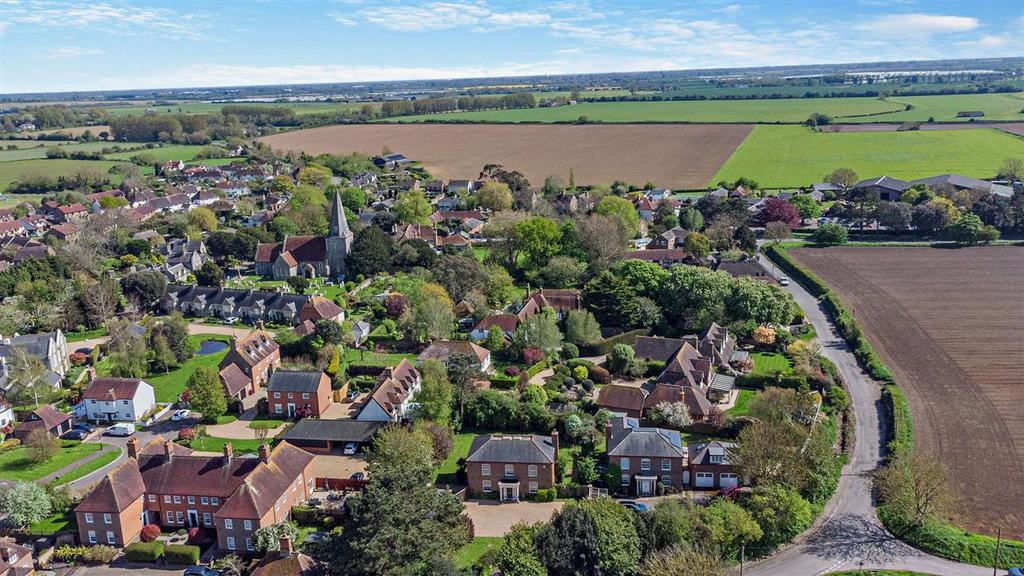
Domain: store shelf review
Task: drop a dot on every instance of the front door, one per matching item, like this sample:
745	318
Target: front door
291	410
646	487
509	493
193	518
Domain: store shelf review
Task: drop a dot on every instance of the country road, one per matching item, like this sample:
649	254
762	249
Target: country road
848	534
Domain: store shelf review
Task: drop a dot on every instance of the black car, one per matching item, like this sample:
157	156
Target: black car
75	434
200	571
357	476
84	426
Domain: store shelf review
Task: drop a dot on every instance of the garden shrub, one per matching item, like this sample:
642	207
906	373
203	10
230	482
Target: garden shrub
545	495
181	554
99	554
327	522
144	552
304	515
69	554
600	375
573	363
9	444
570	351
149	533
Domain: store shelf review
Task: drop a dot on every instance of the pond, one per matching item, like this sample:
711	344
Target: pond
212	347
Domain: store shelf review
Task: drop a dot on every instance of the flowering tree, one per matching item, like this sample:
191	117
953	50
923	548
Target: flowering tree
672	414
764	335
778	210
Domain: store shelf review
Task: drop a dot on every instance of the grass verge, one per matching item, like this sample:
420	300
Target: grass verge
16	464
90	467
469	554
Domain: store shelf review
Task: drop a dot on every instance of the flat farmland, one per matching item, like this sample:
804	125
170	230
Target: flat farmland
11	172
676	156
787	156
949	324
300	108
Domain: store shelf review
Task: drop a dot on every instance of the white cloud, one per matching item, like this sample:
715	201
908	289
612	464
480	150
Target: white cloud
87	15
917	25
68	52
732	9
342	19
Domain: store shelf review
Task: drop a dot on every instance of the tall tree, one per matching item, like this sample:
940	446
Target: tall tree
622	211
413	208
495	196
209	274
602	239
25	503
538	331
206	394
842	177
27	379
538	238
371	252
435	395
581	327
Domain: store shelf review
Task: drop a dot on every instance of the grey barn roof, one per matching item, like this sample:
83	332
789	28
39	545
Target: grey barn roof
309	429
531	449
294	381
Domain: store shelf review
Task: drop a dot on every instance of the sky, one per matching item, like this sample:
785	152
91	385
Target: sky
50	46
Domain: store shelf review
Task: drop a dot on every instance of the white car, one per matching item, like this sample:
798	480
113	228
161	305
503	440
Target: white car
180	415
784	280
350	448
121	429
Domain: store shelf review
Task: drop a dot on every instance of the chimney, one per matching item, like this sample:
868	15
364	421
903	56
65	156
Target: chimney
167	449
608	434
554	442
228	452
133	447
91	373
286	544
259	325
264	453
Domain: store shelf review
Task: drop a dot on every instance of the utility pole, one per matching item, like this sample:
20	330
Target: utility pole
743	555
999	540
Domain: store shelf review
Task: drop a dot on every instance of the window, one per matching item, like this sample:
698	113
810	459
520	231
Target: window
152	498
228	524
106	519
231	543
486	485
206	518
178	518
666	479
533	487
125	402
305	396
625	479
485	469
532	471
248	544
510	471
110	537
191	499
213	500
645	463
716	459
88	517
624	464
247	524
127	416
277	408
204	501
170	517
92	537
177	499
277	394
666	465
289	395
167	499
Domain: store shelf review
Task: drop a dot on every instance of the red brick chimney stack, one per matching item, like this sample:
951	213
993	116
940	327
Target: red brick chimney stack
286	545
264	453
228	452
133	448
167	449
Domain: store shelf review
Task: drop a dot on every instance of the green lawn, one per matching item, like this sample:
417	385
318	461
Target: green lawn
353	356
214	444
15	171
470	553
265	424
90	467
790	156
300	108
768	363
85	335
69	147
162	154
51	525
169	386
16	465
742	401
226	419
781	110
445	473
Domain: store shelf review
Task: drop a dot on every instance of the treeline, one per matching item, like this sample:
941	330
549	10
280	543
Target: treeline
262	115
809	94
461	104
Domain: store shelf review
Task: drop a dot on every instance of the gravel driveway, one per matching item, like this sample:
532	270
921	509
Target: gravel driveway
491	518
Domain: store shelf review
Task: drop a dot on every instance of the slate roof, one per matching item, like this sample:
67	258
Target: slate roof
647	442
532	449
701	453
964	183
346	430
295	381
885	182
656	348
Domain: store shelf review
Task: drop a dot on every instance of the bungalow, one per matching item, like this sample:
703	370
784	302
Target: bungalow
294	393
443	350
511	464
747	267
959	182
646	457
248	364
886	188
118	400
391	399
44	418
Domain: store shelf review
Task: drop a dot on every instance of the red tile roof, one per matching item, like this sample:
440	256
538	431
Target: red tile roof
112	389
116	491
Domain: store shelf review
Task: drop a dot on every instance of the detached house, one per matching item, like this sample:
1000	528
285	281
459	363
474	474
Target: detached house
43	418
293	393
443	350
886	188
391	399
646	456
711	465
248	364
118	399
514	466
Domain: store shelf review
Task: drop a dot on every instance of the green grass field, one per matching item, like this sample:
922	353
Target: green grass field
470	553
169	386
445	473
792	156
16	465
742	403
14	171
162	154
790	110
90	467
211	107
353	356
944	108
11	200
29	153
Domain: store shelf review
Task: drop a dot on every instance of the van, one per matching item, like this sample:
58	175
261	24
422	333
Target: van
121	429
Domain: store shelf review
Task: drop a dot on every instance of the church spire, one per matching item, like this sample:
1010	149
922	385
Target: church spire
337	225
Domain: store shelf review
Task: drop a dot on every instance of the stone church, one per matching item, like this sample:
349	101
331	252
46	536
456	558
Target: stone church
309	256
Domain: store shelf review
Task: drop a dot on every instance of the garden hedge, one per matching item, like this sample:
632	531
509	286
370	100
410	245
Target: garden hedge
605	346
144	552
181	554
304	515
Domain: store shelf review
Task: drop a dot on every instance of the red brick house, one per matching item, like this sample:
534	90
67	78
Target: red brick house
15	560
319	308
646	457
294	392
512	466
166	484
248	365
711	466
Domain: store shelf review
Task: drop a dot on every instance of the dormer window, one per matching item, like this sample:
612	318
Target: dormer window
716	459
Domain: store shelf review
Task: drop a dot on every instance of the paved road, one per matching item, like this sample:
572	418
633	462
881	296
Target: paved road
848	534
164	428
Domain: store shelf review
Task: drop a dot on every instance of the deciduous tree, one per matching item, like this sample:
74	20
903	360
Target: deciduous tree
206	394
24	504
495	196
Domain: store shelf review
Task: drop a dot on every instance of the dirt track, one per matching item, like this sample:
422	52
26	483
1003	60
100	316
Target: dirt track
674	156
950	325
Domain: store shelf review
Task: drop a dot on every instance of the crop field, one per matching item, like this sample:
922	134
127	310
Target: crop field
788	110
74	131
949	325
786	156
1004	106
162	154
211	107
40	151
677	156
11	172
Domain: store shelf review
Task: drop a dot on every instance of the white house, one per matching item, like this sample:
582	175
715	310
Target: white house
6	415
391	399
118	399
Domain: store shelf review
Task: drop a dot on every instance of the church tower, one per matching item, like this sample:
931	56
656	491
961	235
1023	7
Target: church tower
339	238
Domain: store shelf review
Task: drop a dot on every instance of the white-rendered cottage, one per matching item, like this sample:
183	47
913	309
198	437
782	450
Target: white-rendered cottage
118	399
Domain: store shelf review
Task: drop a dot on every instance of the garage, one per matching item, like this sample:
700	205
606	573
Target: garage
704	480
726	480
324	436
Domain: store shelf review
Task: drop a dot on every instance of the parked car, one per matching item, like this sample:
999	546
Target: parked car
121	429
353	395
784	280
357	476
634	505
75	434
88	428
1016	571
231	319
180	415
350	448
200	571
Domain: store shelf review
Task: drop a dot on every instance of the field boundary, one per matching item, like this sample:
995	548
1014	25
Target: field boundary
939	538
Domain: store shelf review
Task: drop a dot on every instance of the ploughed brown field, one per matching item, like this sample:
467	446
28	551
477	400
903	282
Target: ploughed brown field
672	156
949	324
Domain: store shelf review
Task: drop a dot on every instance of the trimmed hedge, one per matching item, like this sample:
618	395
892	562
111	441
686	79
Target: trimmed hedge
181	554
546	495
503	382
304	515
901	422
536	368
605	346
144	552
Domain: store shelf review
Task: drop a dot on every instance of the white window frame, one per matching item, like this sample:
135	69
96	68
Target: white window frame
247	524
531	471
533	487
107	519
167	499
248	544
179	517
305	395
624	481
231	542
228	524
177	499
486	486
510	471
88	517
485	469
204	500
152	497
278	409
191	499
214	501
206	518
92	536
111	539
666	479
666	465
624	464
170	517
645	464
